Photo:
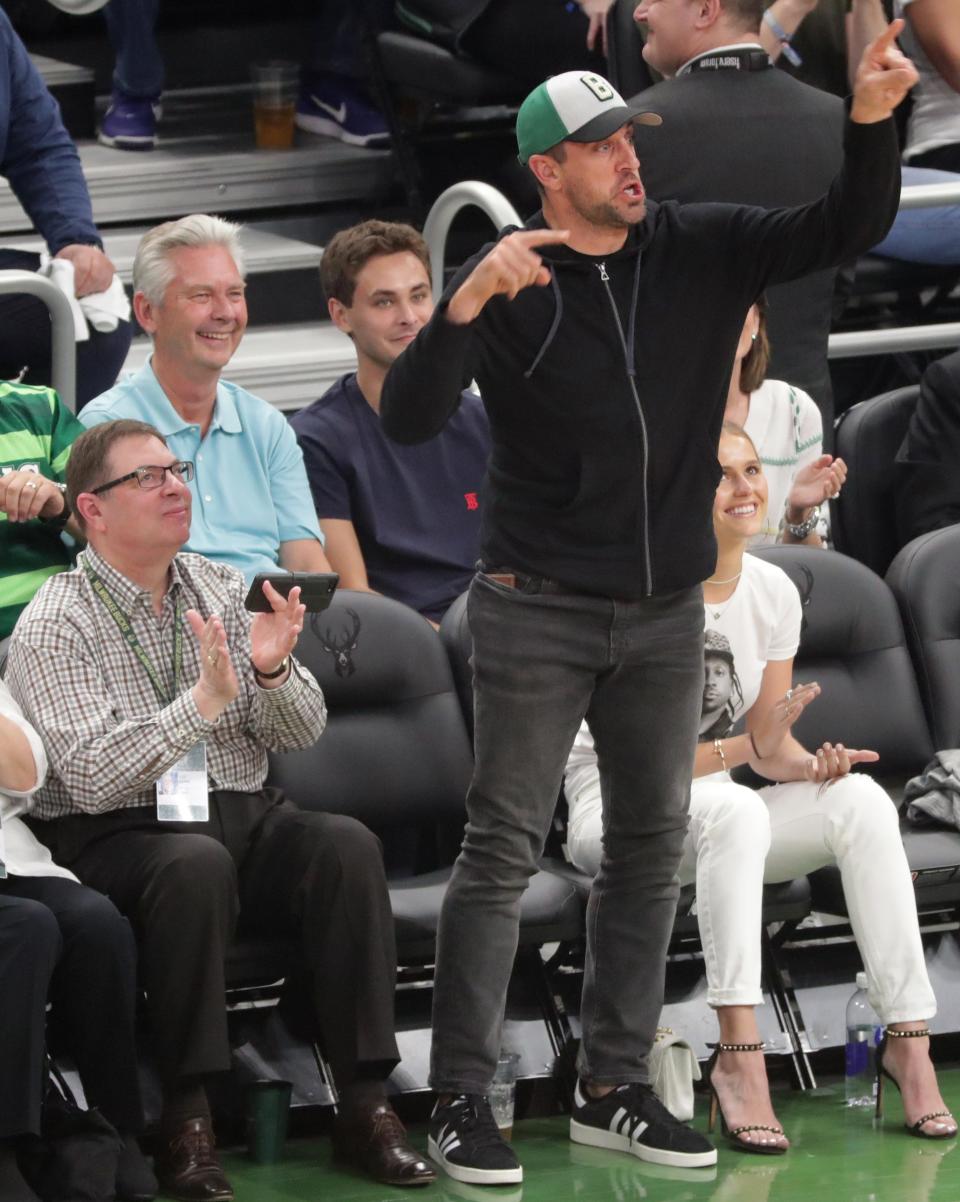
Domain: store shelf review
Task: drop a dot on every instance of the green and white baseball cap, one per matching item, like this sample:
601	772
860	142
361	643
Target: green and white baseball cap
577	106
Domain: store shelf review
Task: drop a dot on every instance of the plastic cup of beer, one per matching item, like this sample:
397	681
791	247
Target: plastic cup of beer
275	85
503	1091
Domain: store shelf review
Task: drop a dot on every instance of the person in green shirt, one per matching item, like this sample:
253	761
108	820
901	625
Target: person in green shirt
36	433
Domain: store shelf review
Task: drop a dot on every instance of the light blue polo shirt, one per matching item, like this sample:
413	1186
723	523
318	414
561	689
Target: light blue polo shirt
250	490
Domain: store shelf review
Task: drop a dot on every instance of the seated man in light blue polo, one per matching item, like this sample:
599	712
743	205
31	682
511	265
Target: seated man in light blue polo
252	506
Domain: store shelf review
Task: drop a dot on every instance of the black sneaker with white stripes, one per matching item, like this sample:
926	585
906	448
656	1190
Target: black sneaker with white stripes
466	1142
631	1118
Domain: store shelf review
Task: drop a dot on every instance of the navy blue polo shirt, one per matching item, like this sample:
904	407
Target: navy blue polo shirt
416	509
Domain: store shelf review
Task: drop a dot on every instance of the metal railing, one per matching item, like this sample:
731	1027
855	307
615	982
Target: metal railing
63	351
448	204
926	196
892	342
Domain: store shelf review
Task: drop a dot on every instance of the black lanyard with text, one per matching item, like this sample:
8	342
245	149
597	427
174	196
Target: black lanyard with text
126	629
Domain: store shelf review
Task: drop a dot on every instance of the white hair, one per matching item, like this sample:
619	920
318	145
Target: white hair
152	269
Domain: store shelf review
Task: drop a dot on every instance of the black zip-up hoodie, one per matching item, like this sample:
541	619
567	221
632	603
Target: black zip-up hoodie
606	388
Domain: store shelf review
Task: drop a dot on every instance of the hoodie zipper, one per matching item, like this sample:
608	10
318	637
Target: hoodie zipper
631	377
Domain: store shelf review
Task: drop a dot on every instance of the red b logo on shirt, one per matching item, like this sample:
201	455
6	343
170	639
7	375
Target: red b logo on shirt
471	500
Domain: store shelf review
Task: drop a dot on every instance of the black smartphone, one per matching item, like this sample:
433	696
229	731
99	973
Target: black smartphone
316	589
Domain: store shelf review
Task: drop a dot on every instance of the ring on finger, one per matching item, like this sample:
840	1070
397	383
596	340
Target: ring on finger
789	696
31	484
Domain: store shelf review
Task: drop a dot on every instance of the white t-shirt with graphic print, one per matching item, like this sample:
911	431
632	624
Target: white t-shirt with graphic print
760	623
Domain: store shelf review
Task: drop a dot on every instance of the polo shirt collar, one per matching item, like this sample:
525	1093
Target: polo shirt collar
159	412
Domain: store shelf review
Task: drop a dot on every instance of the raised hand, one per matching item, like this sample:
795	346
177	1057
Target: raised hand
834	761
217	683
774	726
511	266
274	635
885	75
817	482
25	495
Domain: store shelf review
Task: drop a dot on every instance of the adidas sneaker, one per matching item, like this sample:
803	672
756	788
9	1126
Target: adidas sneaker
631	1118
466	1142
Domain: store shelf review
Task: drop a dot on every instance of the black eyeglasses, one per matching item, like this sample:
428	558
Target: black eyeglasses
151	475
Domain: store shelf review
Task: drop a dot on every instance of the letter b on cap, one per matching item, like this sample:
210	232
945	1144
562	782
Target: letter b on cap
599	87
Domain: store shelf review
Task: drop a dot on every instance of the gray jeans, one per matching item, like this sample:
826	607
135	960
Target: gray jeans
544	659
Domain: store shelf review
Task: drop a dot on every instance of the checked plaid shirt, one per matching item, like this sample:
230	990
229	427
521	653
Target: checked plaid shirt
107	736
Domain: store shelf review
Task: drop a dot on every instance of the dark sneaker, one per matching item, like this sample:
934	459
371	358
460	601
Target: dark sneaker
467	1144
632	1118
336	107
130	123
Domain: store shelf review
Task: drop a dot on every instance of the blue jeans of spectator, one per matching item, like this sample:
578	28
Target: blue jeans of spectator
544	659
925	235
138	67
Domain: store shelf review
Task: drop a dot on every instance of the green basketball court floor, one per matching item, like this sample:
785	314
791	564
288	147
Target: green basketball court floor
837	1156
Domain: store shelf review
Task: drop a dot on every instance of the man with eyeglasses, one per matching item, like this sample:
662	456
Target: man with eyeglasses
157	697
252	506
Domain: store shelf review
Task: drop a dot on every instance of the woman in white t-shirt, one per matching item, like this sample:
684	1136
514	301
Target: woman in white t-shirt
815	812
787	429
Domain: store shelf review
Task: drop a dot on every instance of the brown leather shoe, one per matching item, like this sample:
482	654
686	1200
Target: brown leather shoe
187	1166
373	1139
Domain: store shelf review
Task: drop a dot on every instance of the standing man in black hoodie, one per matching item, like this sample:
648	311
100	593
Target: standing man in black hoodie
601	337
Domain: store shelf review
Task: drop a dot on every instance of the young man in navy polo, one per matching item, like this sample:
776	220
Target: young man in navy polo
398	520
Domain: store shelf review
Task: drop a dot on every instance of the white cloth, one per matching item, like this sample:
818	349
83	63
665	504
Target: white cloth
739	839
935	116
23	854
102	310
787	430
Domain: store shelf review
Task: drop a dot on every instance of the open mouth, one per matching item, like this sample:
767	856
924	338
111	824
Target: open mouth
633	192
742	511
211	336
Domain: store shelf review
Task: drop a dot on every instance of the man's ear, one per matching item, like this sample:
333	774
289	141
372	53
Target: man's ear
90	509
708	13
145	312
340	315
545	171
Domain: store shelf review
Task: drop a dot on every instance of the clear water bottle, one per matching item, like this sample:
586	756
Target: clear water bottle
864	1032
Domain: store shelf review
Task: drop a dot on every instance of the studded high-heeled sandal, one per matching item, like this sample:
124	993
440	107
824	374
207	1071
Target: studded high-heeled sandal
917	1127
733	1134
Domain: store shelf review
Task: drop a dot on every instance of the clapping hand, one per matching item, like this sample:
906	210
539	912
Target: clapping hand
773	727
834	761
217	683
274	635
817	482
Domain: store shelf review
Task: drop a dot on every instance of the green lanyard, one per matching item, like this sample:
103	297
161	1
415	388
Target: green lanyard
126	629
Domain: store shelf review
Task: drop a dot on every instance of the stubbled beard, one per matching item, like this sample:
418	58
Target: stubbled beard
606	216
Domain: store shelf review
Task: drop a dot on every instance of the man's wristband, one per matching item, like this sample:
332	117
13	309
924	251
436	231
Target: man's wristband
284	664
753	744
782	37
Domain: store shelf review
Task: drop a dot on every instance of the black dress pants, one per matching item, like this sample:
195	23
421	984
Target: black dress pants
317	878
62	942
25	340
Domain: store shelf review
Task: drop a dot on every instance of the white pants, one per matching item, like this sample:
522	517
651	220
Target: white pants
740	838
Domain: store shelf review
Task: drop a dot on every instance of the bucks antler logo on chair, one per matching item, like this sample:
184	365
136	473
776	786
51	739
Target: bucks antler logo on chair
340	643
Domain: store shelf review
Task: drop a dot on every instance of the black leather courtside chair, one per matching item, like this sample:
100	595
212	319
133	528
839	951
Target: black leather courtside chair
853	644
868	437
925	579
